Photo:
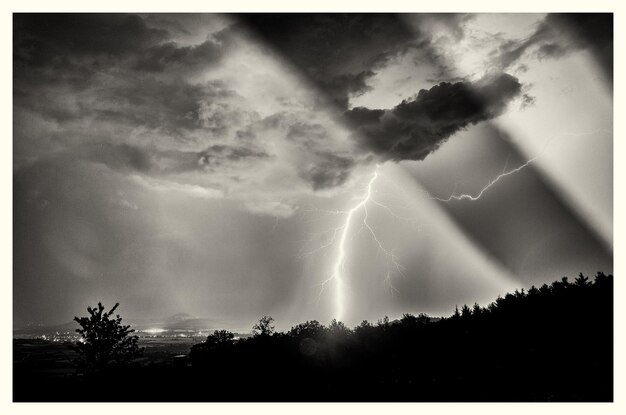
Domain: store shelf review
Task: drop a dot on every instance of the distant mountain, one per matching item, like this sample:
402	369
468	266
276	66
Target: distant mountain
180	317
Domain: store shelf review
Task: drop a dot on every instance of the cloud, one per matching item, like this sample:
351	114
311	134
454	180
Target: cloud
170	54
527	101
563	33
327	170
47	38
416	127
147	160
113	74
338	52
124	204
219	154
172	106
340	88
150	160
80	47
168	186
223	114
170	113
452	24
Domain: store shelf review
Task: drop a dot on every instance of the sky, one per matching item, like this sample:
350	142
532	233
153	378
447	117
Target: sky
210	164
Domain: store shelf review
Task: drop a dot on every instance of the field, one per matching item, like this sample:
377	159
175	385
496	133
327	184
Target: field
37	362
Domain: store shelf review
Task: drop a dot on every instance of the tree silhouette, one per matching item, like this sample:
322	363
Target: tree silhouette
105	341
220	337
338	327
337	331
311	328
216	344
264	327
581	280
476	310
365	329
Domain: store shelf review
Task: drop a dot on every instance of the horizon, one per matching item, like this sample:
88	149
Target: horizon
164	324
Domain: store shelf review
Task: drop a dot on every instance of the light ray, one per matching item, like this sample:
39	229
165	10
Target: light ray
504	174
340	234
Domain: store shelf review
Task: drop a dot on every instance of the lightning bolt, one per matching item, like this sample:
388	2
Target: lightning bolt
341	236
338	275
339	267
467	196
504	174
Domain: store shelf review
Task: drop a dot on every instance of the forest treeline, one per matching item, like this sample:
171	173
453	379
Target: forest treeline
549	343
552	343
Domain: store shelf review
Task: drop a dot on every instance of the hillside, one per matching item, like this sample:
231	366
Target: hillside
552	343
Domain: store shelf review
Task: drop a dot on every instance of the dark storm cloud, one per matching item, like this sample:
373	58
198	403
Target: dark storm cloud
87	70
172	105
158	57
152	161
317	166
418	126
321	169
339	52
329	170
78	48
122	156
306	133
341	87
436	32
219	153
166	22
43	38
559	34
147	160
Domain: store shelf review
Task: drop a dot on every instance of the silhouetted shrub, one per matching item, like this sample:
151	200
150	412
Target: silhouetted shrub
105	341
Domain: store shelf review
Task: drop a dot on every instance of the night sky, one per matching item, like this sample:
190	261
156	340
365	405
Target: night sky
206	164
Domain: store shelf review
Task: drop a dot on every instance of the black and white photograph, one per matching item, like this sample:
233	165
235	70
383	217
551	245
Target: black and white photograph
312	207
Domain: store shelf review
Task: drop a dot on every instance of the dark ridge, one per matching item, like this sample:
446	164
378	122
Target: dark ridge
553	343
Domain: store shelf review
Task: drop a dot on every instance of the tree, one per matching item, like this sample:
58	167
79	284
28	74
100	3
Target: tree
105	341
264	327
220	337
311	328
364	329
423	318
581	280
221	341
408	319
384	323
337	328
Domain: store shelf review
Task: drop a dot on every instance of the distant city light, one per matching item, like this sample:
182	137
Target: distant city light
154	331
